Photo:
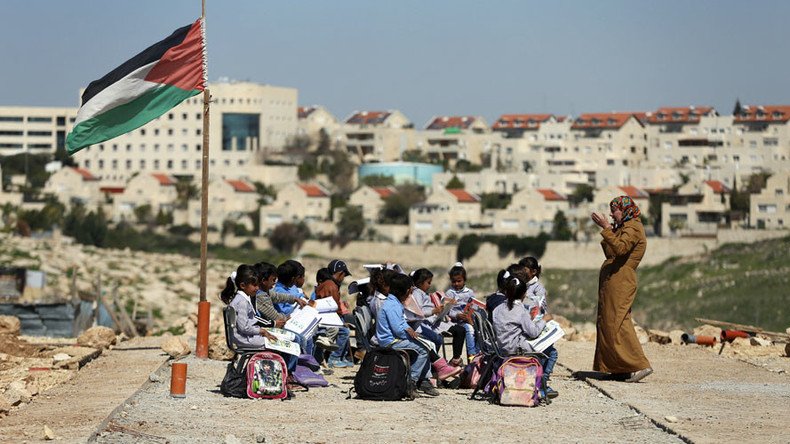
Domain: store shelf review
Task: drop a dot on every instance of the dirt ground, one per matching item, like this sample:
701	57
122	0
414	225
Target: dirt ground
695	395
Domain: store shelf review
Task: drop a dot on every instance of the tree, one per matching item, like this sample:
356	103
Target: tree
324	142
186	190
560	229
143	213
163	218
351	225
288	237
378	180
581	193
495	201
340	171
267	193
455	184
396	206
414	156
308	169
465	166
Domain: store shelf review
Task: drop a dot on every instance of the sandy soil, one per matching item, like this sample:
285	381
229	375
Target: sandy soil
75	409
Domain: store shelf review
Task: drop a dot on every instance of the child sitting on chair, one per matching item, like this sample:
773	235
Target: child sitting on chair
393	331
538	307
463	329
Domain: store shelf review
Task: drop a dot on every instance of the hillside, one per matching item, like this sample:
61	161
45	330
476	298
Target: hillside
743	283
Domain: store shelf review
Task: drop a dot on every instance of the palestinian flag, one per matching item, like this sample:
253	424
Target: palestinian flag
142	89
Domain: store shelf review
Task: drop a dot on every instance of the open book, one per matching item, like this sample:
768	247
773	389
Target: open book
303	321
327	313
551	333
474	304
412	309
284	342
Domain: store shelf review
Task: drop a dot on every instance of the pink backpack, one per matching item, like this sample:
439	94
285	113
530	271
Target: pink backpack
267	376
518	382
472	372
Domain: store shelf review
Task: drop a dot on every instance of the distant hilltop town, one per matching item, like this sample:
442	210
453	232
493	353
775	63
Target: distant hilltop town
377	175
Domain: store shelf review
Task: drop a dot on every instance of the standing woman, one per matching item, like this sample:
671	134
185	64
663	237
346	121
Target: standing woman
617	349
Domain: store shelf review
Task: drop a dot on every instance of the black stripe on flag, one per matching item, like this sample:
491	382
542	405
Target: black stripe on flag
149	55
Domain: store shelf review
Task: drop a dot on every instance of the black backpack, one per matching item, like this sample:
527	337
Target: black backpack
383	376
234	384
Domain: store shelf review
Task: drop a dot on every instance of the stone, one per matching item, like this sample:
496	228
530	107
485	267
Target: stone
97	337
740	343
10	325
49	435
787	349
759	342
675	337
5	406
153	377
218	348
16	393
671	419
642	335
260	437
60	357
231	439
659	336
175	346
570	334
707	330
79	356
563	321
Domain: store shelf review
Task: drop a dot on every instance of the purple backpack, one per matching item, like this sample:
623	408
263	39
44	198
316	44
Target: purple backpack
518	382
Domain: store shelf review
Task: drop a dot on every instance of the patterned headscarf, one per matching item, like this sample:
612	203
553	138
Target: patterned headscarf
627	206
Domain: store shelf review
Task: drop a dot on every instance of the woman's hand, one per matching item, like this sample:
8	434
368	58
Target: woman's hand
436	310
601	220
280	323
301	301
412	333
268	335
462	317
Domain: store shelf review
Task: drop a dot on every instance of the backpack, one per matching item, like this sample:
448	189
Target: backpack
383	375
306	377
234	384
472	372
267	376
518	382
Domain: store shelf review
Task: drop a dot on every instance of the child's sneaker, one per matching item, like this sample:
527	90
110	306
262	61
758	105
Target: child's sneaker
428	388
325	343
338	363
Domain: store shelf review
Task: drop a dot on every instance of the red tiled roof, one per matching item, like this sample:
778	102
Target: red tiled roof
240	186
164	179
549	194
689	114
86	175
384	192
463	196
717	186
368	117
520	121
304	111
605	120
442	122
111	190
767	113
312	190
634	192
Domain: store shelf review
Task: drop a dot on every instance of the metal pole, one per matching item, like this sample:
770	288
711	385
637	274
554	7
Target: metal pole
204	307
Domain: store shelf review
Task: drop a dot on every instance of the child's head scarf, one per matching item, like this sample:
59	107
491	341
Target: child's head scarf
627	206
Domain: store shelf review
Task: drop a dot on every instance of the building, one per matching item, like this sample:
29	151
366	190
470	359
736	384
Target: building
402	172
492	181
771	208
298	202
314	119
678	136
246	122
760	139
697	209
530	212
598	140
444	213
157	190
377	136
74	186
371	200
453	138
35	130
230	200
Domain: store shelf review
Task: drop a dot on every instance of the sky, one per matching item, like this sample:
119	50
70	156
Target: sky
424	58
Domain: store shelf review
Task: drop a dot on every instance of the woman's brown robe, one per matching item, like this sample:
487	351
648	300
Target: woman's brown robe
617	349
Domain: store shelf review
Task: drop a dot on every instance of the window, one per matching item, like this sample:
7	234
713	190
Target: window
170	132
184	147
184	116
170	147
115	147
156	164
156	132
198	116
87	163
39	133
142	147
169	164
40	119
198	132
142	164
128	147
197	147
11	119
128	164
771	141
101	164
184	131
142	132
239	130
610	161
39	145
170	116
12	133
115	164
183	164
766	208
10	145
197	164
156	147
61	121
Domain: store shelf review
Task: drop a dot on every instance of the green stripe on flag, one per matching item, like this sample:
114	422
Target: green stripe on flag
126	117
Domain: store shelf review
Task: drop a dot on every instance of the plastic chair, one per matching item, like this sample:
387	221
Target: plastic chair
363	324
229	317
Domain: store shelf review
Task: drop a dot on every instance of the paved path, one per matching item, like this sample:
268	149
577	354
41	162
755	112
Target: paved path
75	409
714	398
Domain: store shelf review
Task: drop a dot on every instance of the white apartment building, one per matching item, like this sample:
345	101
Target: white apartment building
313	119
454	138
598	140
698	209
760	139
771	208
678	136
531	211
377	136
34	130
297	202
444	213
492	181
533	142
246	121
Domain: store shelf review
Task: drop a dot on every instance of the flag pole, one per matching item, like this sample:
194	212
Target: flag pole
204	306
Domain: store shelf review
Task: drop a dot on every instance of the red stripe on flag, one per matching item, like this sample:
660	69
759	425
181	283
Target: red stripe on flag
182	65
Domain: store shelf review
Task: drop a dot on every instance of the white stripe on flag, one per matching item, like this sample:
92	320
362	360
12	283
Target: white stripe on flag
123	91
